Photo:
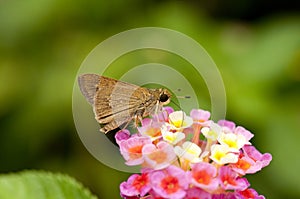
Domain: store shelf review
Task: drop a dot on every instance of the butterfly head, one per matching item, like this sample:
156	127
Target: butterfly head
164	96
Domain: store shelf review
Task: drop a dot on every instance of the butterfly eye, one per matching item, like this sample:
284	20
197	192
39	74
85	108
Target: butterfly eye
163	98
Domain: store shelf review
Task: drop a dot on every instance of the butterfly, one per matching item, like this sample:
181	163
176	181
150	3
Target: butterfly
116	103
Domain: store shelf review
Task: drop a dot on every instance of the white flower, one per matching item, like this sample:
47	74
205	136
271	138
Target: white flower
234	141
189	151
212	132
221	154
170	137
179	119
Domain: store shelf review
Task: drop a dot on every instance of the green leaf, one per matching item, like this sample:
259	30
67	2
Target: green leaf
41	185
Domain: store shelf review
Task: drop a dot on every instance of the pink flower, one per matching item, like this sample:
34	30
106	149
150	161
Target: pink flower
168	110
249	194
131	149
242	131
251	161
153	195
203	175
170	183
122	135
196	193
243	166
230	180
200	116
229	195
163	116
227	125
136	185
150	128
146	122
262	160
159	156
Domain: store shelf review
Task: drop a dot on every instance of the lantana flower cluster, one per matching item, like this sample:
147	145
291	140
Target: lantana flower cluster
189	157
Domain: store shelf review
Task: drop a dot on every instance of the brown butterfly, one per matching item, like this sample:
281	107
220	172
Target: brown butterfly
116	103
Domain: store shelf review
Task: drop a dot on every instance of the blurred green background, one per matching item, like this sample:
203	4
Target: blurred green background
255	44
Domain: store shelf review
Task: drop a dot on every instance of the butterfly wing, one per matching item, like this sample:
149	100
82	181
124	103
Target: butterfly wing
88	84
116	103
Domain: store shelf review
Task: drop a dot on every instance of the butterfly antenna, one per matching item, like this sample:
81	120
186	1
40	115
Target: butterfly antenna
184	97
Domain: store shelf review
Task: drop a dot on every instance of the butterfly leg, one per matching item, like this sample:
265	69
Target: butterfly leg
156	107
124	126
137	120
156	111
